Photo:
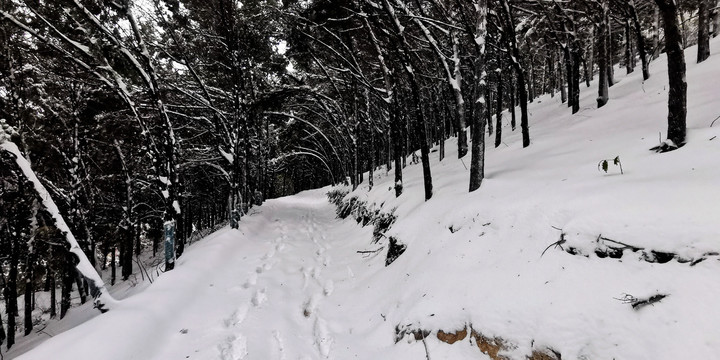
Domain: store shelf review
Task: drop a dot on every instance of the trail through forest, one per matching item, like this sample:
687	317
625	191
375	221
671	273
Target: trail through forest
254	293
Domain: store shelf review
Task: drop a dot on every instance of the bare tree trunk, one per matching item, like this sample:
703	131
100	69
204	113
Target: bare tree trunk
703	51
603	83
561	82
397	140
490	100
569	71
715	15
656	33
499	105
677	95
113	273
576	58
29	293
629	51
477	161
52	287
511	105
637	27
590	54
3	334
10	292
610	51
67	282
519	71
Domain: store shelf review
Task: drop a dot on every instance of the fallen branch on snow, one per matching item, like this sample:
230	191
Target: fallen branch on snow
637	303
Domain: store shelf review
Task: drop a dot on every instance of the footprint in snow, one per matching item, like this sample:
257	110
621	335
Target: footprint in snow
316	273
268	255
252	280
259	297
310	306
234	348
329	288
280	345
323	340
237	317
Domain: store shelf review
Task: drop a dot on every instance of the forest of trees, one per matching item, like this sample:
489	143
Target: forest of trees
155	120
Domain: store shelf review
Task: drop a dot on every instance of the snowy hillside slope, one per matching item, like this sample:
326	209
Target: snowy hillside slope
290	284
476	258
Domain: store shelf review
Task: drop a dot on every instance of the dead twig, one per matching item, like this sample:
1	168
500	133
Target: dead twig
370	251
427	353
713	122
557	243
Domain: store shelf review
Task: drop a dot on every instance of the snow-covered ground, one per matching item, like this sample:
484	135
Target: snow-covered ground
290	284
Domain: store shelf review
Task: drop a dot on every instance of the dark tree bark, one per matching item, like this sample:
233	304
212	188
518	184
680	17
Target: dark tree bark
509	25
629	51
561	82
511	106
29	292
637	27
602	56
656	33
491	93
11	307
3	334
113	272
51	287
590	57
67	282
576	59
420	122
703	51
610	55
477	153
569	71
397	140
499	105
677	95
715	15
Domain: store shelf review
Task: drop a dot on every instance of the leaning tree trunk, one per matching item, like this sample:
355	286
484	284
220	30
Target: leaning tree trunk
103	300
703	50
677	95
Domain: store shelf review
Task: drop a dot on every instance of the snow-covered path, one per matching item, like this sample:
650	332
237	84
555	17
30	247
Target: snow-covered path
252	293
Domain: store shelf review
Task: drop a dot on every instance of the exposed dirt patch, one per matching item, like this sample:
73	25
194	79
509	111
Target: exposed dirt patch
490	346
452	337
